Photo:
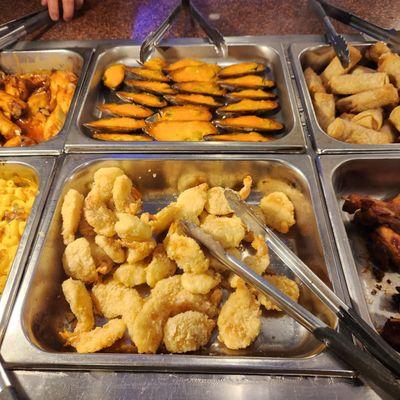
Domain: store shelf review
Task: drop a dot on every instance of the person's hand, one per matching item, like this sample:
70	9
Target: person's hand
68	7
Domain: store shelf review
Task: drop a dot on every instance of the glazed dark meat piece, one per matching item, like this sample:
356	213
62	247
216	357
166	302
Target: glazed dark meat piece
373	211
391	332
385	247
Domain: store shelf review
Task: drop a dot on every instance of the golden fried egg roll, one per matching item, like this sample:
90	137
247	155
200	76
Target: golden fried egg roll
371	119
352	84
324	106
335	67
318	59
390	63
360	69
394	117
347	116
350	132
369	99
389	129
314	82
376	50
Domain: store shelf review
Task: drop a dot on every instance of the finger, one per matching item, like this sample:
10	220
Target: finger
78	4
53	9
44	2
68	9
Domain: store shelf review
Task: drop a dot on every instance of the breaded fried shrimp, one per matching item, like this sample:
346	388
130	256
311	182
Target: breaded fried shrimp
71	212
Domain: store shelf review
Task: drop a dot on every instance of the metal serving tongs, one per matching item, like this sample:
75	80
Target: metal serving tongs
337	41
154	38
370	370
390	36
14	30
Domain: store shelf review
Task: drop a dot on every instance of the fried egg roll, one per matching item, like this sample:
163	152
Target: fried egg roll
371	119
335	67
314	82
324	106
388	129
390	63
394	117
350	132
376	50
347	116
369	99
360	69
352	84
318	59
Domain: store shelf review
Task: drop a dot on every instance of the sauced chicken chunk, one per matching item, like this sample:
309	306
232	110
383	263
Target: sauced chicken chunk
239	320
160	267
229	231
285	285
81	305
98	338
112	248
71	212
186	253
131	275
130	228
78	261
138	251
191	202
278	211
187	331
200	283
126	198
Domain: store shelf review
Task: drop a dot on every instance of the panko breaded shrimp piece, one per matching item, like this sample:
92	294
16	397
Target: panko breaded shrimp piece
229	231
258	262
126	198
191	202
160	267
216	203
112	248
200	283
98	215
187	331
130	228
131	275
186	253
138	251
245	191
278	211
103	181
71	212
80	302
285	285
99	338
78	261
239	320
161	221
103	262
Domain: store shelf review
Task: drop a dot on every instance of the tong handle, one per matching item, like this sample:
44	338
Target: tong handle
331	31
370	371
8	393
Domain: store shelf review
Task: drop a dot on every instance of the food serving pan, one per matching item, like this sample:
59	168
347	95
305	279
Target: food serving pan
259	49
370	175
301	54
26	61
41	171
284	347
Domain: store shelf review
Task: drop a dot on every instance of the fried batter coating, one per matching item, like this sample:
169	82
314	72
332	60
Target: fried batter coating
278	211
112	248
200	283
98	215
81	305
71	212
216	203
191	202
260	261
98	338
104	179
160	267
122	193
187	331
131	275
85	229
229	231
163	219
130	228
285	285
186	253
244	192
239	320
78	261
102	261
138	251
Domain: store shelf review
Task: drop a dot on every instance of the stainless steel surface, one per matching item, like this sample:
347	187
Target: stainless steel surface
108	385
323	143
259	49
40	170
365	174
25	61
283	346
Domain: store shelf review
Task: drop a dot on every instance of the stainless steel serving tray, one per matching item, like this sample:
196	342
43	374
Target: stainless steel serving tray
283	347
41	171
75	59
375	175
323	143
259	49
